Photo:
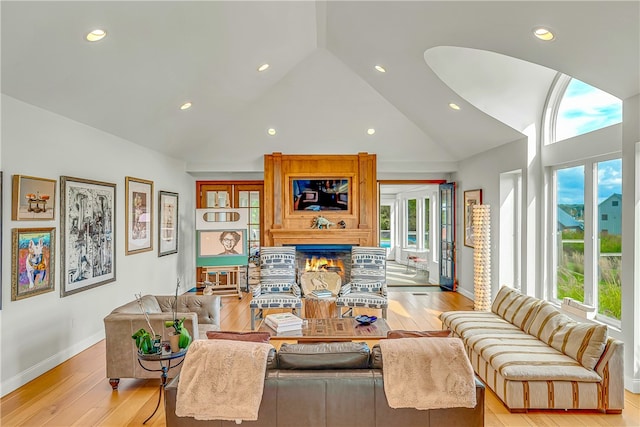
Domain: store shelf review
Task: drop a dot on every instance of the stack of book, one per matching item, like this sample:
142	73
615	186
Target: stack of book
322	293
283	322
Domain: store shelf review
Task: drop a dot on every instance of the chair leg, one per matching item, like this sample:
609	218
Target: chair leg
384	313
339	312
253	319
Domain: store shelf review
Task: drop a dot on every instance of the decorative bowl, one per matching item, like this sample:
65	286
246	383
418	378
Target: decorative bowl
365	320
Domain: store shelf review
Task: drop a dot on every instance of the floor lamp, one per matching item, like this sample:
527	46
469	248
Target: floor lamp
481	221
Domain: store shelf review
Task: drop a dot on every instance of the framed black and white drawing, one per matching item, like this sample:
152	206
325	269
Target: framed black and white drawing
88	227
167	223
138	215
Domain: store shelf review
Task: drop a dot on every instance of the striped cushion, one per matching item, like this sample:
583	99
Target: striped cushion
276	301
583	342
375	287
368	264
515	307
362	299
278	264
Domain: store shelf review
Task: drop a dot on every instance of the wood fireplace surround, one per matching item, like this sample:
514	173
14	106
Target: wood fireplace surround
283	225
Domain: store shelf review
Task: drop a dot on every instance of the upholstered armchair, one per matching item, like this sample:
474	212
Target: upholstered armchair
367	286
278	287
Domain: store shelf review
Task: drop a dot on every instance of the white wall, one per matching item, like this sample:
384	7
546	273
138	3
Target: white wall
42	331
483	172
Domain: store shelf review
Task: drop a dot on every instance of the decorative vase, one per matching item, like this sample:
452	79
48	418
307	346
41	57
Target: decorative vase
174	341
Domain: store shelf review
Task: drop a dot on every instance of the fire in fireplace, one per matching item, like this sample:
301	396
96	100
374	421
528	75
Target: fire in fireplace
333	258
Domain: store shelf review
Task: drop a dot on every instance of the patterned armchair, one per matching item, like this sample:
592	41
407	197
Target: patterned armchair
278	287
367	286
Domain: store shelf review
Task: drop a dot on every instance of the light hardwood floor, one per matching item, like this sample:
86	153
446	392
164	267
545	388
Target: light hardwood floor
77	393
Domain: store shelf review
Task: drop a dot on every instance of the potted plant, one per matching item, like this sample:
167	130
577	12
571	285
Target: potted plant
182	334
146	342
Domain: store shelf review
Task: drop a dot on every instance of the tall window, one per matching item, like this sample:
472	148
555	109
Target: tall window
412	219
588	238
251	200
426	216
385	226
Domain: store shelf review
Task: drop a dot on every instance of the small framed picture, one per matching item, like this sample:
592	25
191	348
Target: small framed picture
33	198
167	223
33	262
138	215
471	197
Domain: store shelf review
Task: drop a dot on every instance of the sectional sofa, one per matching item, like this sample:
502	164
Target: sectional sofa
534	357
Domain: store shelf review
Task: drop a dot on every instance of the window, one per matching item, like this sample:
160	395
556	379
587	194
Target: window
411	223
426	216
576	108
588	238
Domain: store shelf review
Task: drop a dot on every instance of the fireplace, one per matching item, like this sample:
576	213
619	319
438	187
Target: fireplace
320	264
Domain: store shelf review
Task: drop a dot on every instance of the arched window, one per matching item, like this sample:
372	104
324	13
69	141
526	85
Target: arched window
576	108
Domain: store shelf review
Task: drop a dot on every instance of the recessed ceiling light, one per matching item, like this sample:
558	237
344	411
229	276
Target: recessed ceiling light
263	67
543	34
271	131
380	68
371	131
454	106
96	35
185	106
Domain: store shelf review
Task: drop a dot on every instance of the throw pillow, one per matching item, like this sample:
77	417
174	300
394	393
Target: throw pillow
239	336
514	307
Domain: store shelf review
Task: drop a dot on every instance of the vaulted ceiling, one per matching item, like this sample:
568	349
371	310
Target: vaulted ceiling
321	92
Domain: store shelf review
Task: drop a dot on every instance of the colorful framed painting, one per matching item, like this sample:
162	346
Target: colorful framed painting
33	199
88	234
167	223
138	215
33	262
471	197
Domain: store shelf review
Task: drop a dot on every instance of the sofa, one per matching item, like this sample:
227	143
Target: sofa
332	385
534	357
201	313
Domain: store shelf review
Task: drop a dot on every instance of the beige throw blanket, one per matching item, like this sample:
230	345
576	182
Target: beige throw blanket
427	373
222	380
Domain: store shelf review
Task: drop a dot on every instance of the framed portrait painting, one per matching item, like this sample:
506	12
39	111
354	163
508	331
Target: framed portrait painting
33	262
33	198
88	227
138	215
167	223
471	198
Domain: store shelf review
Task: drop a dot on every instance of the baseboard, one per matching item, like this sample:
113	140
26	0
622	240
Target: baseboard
35	371
632	384
466	293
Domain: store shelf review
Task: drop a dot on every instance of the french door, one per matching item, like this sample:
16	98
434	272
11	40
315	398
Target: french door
447	237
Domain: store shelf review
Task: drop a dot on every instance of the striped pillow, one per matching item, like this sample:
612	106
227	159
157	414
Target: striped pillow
515	307
584	342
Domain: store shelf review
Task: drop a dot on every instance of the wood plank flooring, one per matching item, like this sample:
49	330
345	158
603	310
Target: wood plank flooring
77	392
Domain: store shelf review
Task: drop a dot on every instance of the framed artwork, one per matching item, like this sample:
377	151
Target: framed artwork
1	215
221	247
138	211
167	223
88	227
33	261
471	197
33	198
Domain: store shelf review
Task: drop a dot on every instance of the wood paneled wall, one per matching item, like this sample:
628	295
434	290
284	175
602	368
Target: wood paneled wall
283	225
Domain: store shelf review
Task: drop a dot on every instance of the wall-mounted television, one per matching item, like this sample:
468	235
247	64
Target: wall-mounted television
329	194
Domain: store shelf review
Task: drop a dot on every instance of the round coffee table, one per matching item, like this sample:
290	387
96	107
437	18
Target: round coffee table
320	308
165	361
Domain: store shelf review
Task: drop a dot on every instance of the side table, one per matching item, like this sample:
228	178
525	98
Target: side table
320	308
165	361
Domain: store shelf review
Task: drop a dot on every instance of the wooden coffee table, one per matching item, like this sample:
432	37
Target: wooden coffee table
328	330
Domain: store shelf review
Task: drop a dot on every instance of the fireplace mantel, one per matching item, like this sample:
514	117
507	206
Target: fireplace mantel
283	225
282	237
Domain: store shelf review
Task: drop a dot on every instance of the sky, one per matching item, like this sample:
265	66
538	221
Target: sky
570	182
585	108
